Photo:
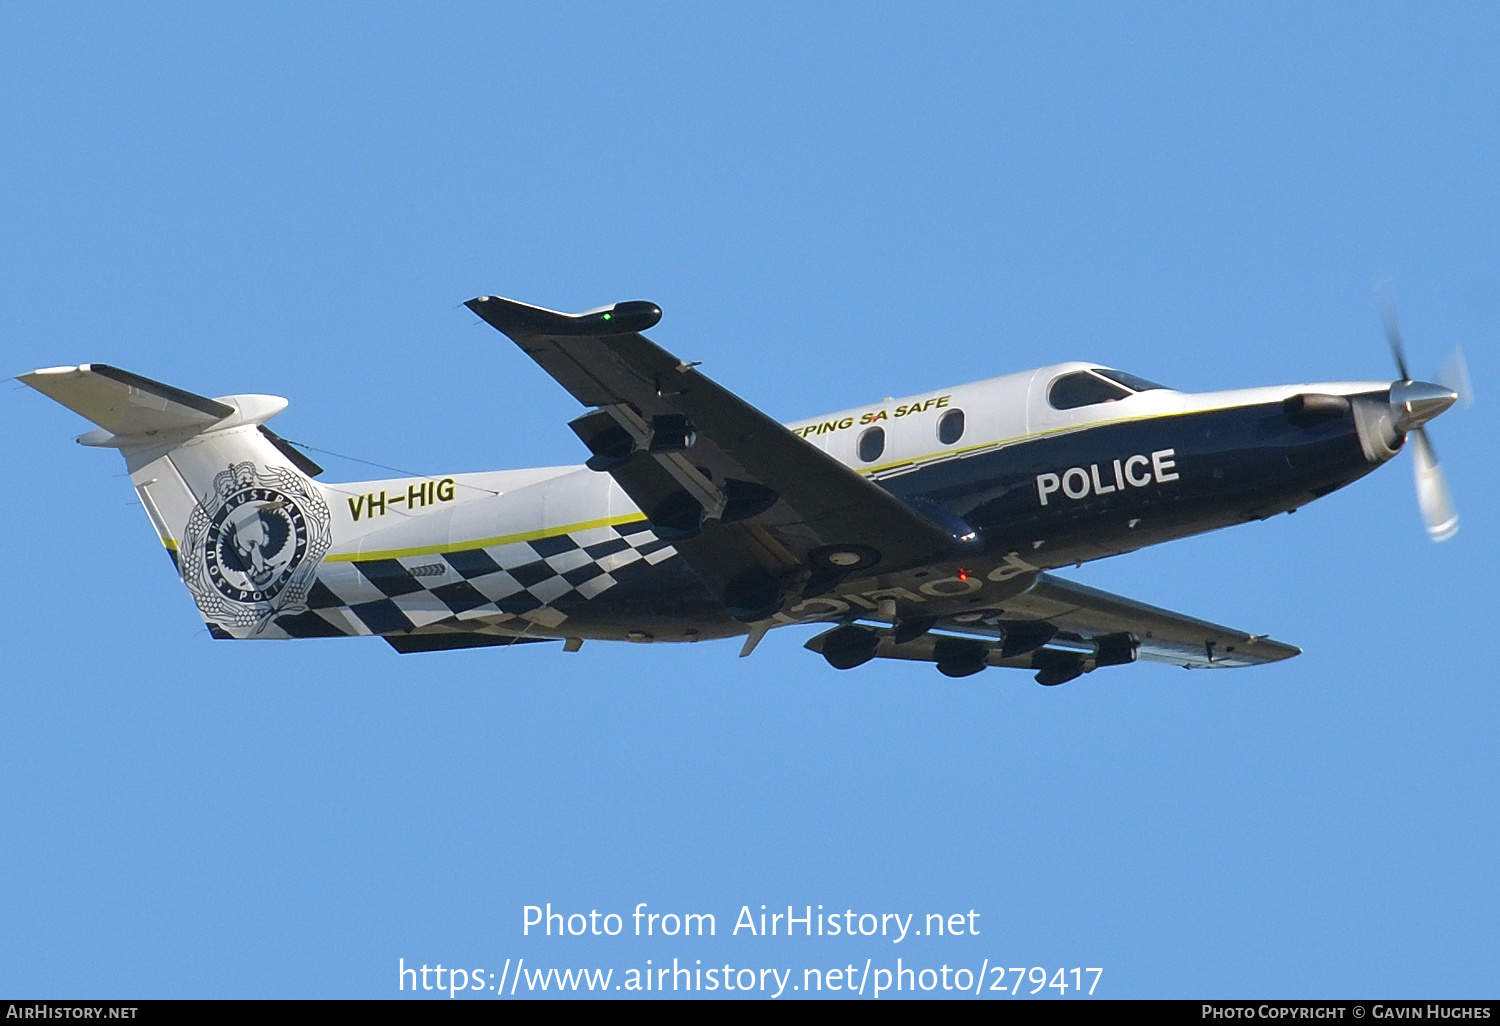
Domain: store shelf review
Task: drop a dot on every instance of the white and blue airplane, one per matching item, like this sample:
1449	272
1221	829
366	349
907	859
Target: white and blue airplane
920	529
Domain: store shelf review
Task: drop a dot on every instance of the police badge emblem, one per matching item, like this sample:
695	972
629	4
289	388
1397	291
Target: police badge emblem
251	549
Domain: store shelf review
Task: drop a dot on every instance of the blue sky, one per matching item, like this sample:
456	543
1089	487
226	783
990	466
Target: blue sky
831	205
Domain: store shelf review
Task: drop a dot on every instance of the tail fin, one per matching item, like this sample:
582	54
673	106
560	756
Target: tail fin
230	500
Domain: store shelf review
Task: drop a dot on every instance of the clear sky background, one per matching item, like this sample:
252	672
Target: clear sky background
831	203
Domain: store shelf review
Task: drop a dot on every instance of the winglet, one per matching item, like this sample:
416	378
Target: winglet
518	320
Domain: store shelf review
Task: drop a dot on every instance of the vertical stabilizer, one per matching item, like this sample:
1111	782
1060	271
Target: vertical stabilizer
233	503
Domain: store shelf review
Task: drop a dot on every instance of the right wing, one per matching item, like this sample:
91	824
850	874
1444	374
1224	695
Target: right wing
1062	629
1081	613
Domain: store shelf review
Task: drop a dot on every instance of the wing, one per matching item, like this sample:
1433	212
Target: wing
1062	630
1082	614
759	514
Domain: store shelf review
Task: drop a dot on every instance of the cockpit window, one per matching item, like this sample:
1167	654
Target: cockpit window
1130	381
1094	386
1082	388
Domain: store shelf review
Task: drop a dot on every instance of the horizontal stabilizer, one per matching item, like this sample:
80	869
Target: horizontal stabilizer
124	403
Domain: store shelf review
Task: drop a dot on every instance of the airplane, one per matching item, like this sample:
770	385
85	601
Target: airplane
922	529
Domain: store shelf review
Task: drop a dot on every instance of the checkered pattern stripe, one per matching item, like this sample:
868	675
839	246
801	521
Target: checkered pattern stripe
538	582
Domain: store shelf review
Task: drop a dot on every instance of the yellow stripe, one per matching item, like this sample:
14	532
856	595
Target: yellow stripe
483	543
1002	443
553	532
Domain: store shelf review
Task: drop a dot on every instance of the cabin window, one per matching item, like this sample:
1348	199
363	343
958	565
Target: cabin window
871	444
1082	388
951	427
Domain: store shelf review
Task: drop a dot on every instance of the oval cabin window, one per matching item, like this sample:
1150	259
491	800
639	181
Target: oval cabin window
951	427
871	444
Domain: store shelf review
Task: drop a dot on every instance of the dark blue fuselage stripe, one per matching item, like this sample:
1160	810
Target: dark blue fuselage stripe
1216	468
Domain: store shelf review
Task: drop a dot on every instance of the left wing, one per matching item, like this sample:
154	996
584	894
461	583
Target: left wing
761	515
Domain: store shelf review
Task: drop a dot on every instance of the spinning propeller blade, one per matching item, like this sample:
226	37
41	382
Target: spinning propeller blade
1454	374
1413	404
1432	490
1393	331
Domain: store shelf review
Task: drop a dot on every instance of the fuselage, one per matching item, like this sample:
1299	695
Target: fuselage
1051	467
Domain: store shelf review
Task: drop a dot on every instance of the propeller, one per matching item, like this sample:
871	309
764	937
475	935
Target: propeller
1432	490
1413	404
1454	373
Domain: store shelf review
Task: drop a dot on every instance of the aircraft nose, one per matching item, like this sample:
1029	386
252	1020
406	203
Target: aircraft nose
1414	403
